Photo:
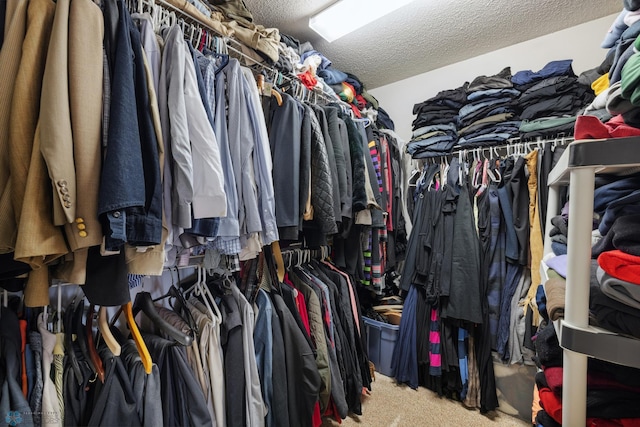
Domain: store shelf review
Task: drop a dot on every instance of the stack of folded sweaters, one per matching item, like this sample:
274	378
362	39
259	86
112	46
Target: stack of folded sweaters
490	115
551	99
436	124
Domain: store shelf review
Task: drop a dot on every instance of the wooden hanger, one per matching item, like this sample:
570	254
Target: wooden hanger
105	332
274	93
93	353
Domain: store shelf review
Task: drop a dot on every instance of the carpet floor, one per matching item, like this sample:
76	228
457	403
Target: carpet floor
393	405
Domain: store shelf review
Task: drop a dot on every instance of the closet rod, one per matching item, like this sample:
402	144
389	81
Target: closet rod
236	47
511	144
306	254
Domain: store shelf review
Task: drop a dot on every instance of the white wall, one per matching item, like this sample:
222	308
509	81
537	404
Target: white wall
580	43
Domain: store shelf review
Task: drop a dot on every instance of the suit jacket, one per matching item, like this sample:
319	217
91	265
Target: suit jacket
10	55
38	240
55	119
26	98
56	136
86	30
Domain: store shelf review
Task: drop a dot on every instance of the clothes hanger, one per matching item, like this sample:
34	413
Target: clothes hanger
201	290
95	358
207	296
179	306
79	331
214	305
224	48
494	171
269	265
199	38
444	167
147	363
105	332
68	343
143	302
274	93
179	303
476	179
461	155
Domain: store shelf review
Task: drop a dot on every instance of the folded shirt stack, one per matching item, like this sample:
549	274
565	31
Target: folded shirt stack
435	128
490	116
550	100
559	234
547	127
615	297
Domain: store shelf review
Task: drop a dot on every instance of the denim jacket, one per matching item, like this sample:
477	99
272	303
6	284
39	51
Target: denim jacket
130	197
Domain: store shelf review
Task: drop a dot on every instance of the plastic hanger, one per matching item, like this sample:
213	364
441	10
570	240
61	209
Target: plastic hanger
147	363
68	343
198	38
143	302
494	172
179	304
79	330
205	294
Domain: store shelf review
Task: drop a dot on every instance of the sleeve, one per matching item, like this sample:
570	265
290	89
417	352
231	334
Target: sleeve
55	120
209	199
182	190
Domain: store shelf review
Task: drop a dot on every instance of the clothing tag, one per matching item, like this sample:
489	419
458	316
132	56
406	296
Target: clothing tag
104	251
266	90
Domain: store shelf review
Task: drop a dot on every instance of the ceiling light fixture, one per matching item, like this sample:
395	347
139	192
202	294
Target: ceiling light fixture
346	16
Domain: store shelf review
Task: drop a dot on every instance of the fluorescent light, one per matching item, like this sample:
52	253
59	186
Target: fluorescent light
346	16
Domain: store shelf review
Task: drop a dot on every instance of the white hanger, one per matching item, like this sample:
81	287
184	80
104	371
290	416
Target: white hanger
208	299
200	289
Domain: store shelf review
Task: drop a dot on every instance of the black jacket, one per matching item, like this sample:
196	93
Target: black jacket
303	379
321	181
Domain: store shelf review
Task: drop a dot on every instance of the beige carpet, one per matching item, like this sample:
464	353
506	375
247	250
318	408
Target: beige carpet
392	405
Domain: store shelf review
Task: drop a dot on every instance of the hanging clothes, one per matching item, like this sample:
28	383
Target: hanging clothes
13	403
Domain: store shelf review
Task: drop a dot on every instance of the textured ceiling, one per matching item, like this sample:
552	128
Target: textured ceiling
428	34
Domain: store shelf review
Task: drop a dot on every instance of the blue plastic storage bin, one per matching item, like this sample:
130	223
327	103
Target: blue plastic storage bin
381	339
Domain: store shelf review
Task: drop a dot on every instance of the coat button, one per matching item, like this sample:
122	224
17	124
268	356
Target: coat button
62	183
67	204
79	220
116	214
81	226
82	233
66	197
